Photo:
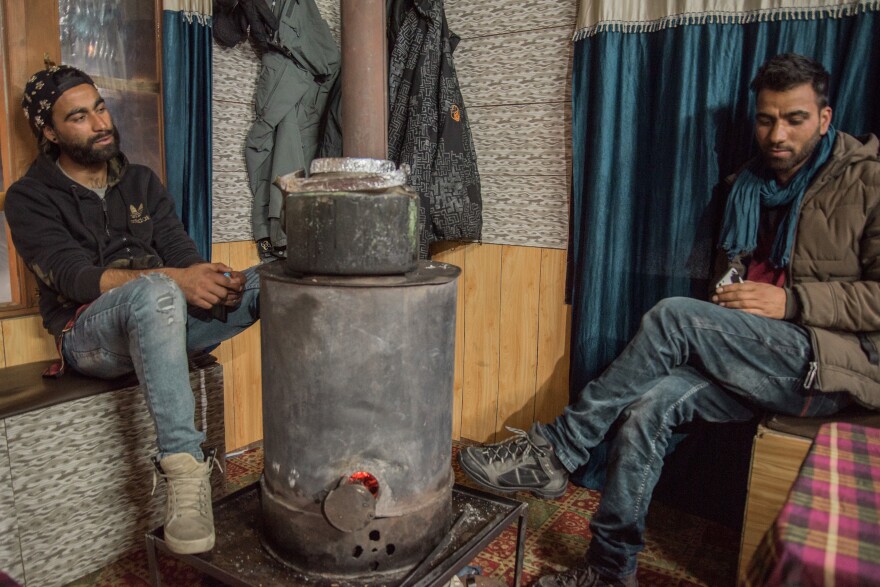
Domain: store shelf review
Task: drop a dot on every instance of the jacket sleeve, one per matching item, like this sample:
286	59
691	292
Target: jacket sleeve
170	239
44	242
850	306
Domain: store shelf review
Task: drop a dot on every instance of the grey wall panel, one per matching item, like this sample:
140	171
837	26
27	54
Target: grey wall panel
232	207
520	139
516	68
234	73
468	18
525	210
83	477
232	121
330	10
10	553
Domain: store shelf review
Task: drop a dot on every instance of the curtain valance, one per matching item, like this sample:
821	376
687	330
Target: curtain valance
637	16
198	9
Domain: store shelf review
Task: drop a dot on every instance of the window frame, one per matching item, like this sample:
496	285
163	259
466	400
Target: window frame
25	48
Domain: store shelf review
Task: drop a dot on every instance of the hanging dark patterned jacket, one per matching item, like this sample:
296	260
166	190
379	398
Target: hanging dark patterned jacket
428	127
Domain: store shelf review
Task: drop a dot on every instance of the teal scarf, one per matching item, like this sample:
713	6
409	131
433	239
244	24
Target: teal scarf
755	188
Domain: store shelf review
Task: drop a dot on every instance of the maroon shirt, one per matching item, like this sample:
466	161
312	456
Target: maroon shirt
760	269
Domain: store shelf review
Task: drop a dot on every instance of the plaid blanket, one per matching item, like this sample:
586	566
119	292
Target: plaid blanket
828	532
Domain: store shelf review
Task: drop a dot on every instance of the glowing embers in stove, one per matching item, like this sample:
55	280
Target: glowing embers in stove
367	480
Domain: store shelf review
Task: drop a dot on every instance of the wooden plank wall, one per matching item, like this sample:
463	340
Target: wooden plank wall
240	357
512	338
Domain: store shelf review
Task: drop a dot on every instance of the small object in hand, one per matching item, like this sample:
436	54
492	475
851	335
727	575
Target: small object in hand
732	276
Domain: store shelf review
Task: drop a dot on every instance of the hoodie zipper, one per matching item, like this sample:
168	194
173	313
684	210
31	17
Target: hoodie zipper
106	216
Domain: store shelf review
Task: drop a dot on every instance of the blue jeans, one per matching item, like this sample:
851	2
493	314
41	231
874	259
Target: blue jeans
690	360
145	326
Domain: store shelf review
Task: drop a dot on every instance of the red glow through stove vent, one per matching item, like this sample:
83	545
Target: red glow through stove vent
367	480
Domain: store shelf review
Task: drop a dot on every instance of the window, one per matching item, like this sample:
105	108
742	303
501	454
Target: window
116	42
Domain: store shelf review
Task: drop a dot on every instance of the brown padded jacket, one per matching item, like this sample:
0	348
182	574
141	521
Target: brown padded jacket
833	280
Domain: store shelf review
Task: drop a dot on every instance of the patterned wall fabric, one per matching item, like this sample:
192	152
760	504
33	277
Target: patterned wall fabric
83	476
10	552
514	67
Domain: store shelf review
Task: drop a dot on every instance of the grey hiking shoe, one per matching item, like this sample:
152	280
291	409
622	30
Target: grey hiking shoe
524	462
584	576
189	515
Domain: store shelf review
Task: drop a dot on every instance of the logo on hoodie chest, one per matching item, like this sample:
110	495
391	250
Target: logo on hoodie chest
138	215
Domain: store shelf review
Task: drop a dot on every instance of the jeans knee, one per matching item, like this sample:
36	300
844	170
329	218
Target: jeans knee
671	311
639	419
157	295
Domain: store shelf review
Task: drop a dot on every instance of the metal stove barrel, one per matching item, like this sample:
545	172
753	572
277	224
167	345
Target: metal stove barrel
357	418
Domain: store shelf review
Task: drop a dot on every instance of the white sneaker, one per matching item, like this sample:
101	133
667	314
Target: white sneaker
189	515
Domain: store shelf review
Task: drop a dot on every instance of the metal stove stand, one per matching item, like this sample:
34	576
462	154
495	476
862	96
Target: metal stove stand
238	559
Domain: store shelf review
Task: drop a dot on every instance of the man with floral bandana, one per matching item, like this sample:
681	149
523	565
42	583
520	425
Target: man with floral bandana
122	286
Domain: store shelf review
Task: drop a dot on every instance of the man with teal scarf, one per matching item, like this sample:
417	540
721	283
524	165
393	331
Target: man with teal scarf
799	336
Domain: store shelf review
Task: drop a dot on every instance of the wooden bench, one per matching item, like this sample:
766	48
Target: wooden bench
76	470
779	448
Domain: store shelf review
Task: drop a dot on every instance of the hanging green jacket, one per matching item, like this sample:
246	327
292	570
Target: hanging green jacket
292	105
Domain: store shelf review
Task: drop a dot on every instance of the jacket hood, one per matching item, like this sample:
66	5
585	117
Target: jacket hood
849	150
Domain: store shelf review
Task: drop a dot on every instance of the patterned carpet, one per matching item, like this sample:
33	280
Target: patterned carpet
682	550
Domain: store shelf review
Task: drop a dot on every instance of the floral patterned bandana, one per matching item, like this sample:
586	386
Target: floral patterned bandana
44	88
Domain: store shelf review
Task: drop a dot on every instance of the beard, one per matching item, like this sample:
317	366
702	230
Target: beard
797	157
86	152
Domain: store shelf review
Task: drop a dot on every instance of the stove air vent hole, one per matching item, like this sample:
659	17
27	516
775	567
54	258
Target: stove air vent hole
389	549
374	566
358	551
374	535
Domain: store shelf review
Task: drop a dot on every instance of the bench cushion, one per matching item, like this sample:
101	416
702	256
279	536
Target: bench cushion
24	389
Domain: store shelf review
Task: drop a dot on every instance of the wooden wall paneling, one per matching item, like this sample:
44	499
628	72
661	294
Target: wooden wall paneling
226	357
31	30
554	338
482	292
456	255
520	281
2	348
247	375
26	341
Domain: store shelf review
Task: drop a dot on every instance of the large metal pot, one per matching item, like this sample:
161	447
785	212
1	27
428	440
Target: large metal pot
350	217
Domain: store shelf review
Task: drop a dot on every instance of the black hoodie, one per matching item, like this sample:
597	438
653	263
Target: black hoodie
67	235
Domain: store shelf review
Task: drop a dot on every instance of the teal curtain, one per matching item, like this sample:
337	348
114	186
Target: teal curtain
659	118
186	78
